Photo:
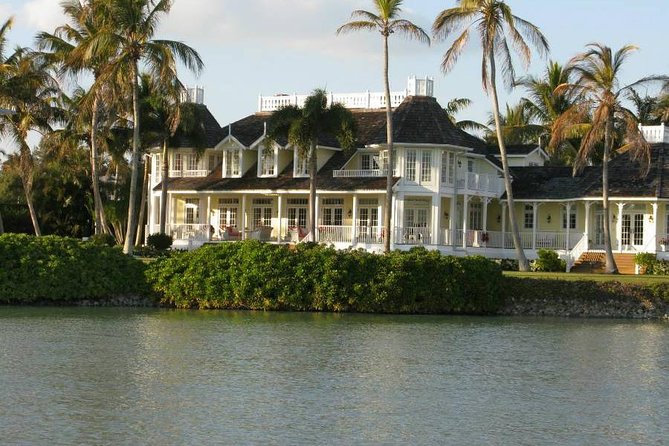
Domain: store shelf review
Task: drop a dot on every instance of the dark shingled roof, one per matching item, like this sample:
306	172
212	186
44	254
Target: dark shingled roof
213	132
514	149
285	180
625	179
417	120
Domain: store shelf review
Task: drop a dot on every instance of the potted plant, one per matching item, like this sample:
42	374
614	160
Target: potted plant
485	238
664	241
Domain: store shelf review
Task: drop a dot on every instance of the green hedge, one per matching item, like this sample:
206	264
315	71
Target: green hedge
253	275
58	269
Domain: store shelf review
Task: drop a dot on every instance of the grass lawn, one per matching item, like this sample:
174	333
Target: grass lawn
592	277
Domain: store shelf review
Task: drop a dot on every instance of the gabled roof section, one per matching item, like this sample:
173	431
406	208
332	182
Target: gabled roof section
625	179
213	134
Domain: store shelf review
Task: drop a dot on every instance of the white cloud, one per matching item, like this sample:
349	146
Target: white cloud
42	14
304	25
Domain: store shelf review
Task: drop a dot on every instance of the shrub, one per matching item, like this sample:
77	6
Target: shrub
159	241
548	261
254	275
507	264
59	269
103	239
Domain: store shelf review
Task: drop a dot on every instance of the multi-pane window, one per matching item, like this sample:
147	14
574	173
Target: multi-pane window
410	165
192	211
214	160
333	211
369	161
262	212
476	215
572	219
529	216
228	209
451	167
157	167
416	217
268	162
470	165
297	212
301	164
231	163
426	167
178	162
191	162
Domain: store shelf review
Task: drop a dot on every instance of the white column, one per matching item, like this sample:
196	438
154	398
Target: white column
465	217
587	205
504	206
619	226
486	202
655	224
243	225
436	218
535	207
568	211
452	222
208	217
318	213
279	219
354	220
393	220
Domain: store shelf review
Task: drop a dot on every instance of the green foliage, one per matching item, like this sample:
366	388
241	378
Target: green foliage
548	261
103	239
507	264
159	241
57	269
645	259
310	277
649	264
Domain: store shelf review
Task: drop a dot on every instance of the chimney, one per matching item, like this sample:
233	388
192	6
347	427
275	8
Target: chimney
193	94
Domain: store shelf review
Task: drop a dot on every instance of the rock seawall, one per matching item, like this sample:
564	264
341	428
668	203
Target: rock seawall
536	297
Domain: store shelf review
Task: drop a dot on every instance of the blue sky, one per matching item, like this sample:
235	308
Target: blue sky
289	46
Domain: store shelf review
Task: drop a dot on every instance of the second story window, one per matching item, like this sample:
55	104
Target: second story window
410	166
267	162
191	162
178	162
231	163
369	161
214	160
301	164
426	167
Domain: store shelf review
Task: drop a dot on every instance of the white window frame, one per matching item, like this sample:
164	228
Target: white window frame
231	164
528	217
300	165
267	162
192	211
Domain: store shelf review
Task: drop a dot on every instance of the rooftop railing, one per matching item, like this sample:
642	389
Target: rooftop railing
367	100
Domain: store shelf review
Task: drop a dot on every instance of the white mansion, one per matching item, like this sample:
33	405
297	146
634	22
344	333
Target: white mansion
448	191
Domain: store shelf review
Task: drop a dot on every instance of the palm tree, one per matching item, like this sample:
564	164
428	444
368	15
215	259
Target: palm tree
495	24
455	106
597	72
30	90
645	107
518	126
77	47
165	117
131	34
385	19
303	128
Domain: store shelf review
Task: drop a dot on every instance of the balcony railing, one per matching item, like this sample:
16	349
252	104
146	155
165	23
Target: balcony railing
366	173
416	235
349	100
189	173
335	234
655	133
480	182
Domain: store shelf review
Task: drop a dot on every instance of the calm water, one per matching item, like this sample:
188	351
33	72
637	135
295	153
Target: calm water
127	377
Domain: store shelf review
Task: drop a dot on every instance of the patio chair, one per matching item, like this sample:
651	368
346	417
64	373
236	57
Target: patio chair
231	233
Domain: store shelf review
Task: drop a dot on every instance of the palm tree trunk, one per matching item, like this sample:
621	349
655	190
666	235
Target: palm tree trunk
523	265
387	214
131	227
142	206
611	267
313	171
2	226
163	189
27	190
100	218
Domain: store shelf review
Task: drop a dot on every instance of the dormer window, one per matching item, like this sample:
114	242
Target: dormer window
369	161
231	163
301	164
268	160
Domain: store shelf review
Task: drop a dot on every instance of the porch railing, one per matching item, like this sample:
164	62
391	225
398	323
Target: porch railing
366	173
419	235
370	234
188	173
335	234
201	232
497	239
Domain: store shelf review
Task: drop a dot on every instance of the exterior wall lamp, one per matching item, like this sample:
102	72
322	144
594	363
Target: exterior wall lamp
548	219
650	218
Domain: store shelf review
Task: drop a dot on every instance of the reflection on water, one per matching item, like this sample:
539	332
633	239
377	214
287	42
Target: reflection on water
121	376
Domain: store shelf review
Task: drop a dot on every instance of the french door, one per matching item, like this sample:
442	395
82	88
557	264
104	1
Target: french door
632	229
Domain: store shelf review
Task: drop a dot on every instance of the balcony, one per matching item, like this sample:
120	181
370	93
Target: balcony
655	133
368	173
188	173
478	182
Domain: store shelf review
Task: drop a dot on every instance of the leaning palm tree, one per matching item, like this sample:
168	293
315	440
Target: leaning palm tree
131	33
597	78
31	91
495	25
77	47
385	19
303	127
